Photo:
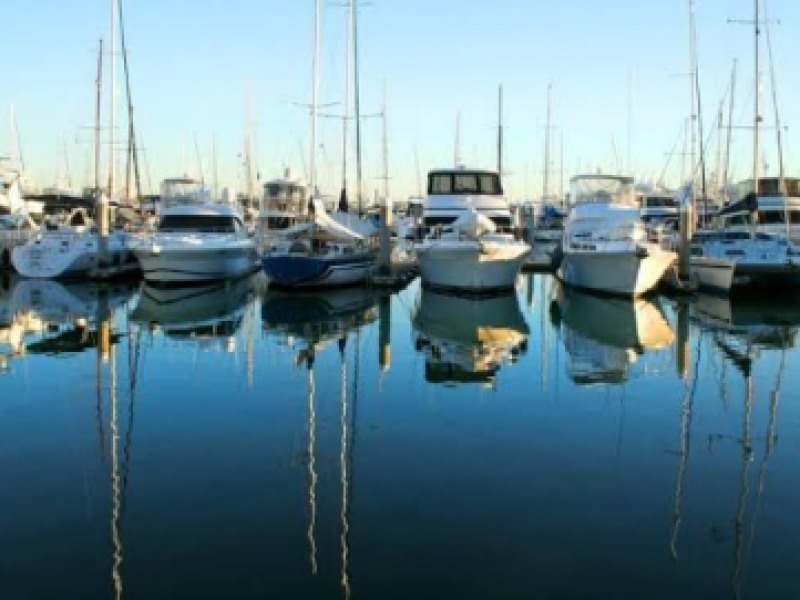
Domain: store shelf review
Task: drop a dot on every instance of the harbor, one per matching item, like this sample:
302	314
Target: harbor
235	441
288	309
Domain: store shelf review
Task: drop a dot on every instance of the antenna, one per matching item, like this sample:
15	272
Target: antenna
458	161
500	130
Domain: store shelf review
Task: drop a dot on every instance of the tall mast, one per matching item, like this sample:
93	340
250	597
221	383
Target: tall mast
757	100
458	140
548	126
312	162
113	110
500	130
693	87
348	70
357	107
97	117
730	131
385	115
133	154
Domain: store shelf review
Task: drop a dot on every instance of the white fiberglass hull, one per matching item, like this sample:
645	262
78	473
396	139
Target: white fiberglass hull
183	264
70	256
625	272
713	273
471	266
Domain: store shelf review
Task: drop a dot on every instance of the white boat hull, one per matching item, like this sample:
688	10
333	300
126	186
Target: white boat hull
72	256
194	264
713	273
624	272
471	266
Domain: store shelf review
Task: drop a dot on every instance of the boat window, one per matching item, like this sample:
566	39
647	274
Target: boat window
490	185
739	220
794	217
273	190
204	223
434	221
466	183
441	183
502	222
771	217
660	202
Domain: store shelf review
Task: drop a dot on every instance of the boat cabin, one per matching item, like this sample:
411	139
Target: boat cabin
659	209
768	207
452	191
284	201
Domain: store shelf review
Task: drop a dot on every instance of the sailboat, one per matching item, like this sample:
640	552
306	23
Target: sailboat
756	236
83	247
321	251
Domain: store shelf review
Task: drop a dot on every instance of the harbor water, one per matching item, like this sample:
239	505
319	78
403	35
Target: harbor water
229	441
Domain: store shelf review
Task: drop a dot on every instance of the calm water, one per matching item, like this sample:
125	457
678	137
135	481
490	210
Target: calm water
226	442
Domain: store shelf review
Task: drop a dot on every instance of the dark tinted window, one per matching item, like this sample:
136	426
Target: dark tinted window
210	224
441	184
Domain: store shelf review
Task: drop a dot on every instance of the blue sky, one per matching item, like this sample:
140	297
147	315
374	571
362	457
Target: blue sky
196	63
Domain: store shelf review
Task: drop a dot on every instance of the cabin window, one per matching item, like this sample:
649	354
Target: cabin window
436	221
502	222
204	223
772	217
441	184
490	185
466	183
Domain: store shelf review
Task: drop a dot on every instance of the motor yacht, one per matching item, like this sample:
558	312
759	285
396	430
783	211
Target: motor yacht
469	244
606	245
196	238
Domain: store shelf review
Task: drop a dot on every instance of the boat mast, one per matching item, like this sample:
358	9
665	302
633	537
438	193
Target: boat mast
357	107
385	119
548	126
728	142
133	154
778	133
312	163
97	117
458	140
348	76
757	101
113	109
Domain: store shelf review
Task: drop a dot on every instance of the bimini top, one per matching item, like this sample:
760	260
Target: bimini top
603	189
462	181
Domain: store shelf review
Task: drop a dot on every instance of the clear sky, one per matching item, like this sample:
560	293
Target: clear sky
197	64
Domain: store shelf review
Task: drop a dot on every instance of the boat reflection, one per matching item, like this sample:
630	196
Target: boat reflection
467	340
196	313
316	318
307	322
744	330
604	336
51	317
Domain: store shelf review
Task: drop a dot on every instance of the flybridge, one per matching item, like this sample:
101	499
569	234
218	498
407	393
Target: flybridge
464	182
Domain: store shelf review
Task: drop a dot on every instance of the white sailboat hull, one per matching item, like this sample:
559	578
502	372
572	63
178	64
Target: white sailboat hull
70	256
713	273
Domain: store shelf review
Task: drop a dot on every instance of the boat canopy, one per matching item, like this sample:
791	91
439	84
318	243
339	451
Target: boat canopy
610	189
184	191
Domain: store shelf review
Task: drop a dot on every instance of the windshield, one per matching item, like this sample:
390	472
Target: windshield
202	223
660	202
618	190
465	183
